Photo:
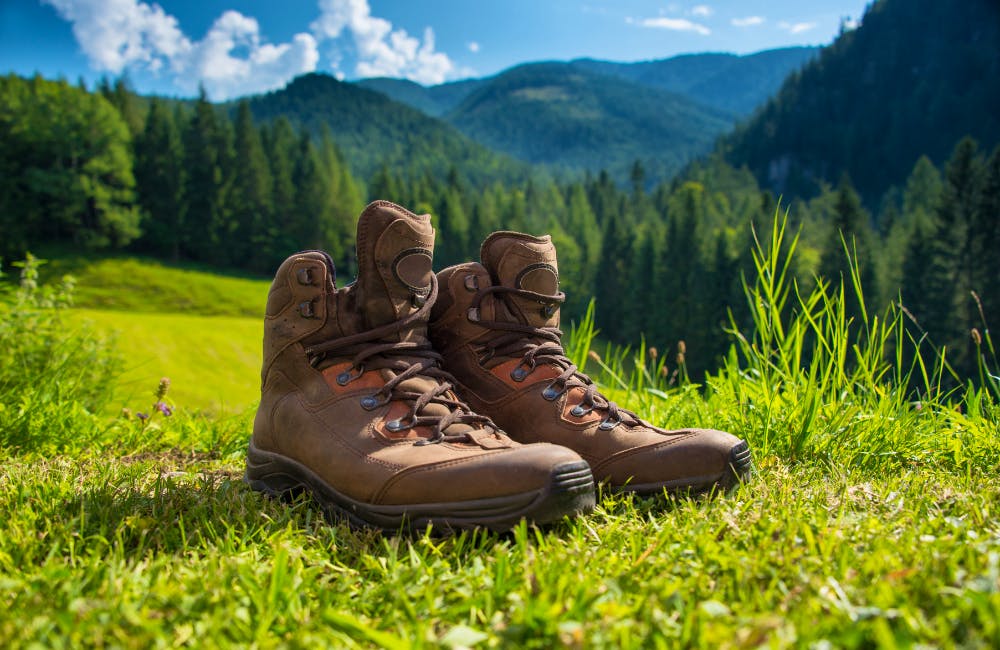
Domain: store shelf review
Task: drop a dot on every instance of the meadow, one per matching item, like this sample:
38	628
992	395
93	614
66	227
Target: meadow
872	521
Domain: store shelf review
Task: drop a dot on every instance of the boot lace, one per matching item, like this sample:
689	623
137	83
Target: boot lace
543	345
371	350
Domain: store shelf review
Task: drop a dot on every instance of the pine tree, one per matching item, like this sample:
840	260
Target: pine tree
986	242
206	184
160	180
252	197
950	308
280	145
610	286
850	229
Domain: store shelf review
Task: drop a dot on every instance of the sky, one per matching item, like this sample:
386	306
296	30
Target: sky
239	47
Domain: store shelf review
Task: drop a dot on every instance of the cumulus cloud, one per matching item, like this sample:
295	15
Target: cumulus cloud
748	21
473	46
796	28
675	24
702	10
263	66
382	51
120	34
114	34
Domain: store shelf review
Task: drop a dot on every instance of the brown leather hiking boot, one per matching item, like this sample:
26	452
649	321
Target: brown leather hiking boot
496	324
356	409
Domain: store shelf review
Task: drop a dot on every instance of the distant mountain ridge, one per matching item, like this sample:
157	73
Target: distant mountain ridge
589	115
734	83
570	118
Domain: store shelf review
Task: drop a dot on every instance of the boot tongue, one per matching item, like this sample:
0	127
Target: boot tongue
524	262
395	253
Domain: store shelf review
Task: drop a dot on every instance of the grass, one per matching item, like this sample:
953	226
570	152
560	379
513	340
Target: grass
150	286
873	521
212	361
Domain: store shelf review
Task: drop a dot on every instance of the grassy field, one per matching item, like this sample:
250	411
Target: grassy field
873	521
213	362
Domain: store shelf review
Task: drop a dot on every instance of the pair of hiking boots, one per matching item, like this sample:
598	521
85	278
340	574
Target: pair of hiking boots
408	398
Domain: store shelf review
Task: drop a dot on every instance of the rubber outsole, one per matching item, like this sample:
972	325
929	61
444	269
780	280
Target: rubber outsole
738	469
570	491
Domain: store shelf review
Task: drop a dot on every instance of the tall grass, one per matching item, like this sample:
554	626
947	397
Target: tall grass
806	381
54	374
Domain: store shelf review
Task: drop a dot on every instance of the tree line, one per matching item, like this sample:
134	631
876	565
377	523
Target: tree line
177	180
196	181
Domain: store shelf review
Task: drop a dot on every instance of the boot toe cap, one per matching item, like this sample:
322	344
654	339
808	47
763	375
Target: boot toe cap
688	459
519	470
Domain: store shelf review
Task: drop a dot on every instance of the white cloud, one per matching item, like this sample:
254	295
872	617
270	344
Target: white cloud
850	23
381	50
749	21
473	46
796	28
702	10
120	34
675	24
264	67
117	33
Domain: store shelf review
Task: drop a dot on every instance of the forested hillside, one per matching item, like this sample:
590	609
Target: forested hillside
569	118
372	130
910	81
728	82
436	101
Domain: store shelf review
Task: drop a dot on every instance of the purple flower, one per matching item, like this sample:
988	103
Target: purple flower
163	408
142	416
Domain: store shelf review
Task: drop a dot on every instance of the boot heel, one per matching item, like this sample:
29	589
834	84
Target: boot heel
265	474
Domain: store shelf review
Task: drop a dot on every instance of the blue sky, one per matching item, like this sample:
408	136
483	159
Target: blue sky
236	47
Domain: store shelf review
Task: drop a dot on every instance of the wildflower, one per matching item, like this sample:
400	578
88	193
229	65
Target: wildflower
681	350
142	416
161	390
977	338
163	408
594	356
653	353
664	371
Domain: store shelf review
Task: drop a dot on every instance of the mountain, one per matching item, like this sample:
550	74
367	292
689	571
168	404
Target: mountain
737	84
574	119
729	82
372	130
912	79
433	100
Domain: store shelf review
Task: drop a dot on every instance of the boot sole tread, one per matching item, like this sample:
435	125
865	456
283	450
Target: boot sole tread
570	491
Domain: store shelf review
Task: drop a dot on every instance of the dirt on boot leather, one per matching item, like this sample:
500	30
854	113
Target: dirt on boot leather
356	409
496	324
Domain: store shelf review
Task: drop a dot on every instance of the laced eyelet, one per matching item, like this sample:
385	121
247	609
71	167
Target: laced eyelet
472	283
518	374
305	276
350	375
551	392
396	425
549	310
578	411
607	425
425	441
369	402
306	309
473	314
